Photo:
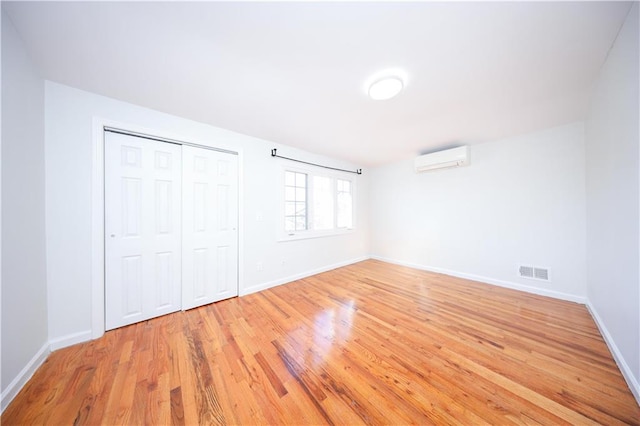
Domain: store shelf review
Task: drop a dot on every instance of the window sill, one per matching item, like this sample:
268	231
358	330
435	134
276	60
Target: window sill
307	235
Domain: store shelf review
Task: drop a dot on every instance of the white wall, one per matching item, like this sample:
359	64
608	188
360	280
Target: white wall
522	200
24	293
613	197
68	152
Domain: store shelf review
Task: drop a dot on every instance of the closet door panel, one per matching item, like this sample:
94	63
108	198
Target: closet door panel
209	228
143	186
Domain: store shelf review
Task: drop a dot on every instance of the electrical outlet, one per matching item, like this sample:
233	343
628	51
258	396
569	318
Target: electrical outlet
259	266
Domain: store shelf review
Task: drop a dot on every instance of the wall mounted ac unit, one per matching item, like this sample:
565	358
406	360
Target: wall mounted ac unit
455	157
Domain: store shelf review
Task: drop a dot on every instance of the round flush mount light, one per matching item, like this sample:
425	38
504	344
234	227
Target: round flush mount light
385	84
386	88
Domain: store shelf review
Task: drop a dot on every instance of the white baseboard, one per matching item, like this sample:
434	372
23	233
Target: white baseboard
274	283
632	382
23	377
70	339
499	283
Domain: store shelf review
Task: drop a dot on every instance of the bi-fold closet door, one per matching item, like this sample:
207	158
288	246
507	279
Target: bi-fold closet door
171	219
209	226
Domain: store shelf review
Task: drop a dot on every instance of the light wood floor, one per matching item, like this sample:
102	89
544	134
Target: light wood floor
368	343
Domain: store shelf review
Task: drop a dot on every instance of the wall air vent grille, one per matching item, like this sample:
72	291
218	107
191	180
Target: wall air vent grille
526	271
533	272
541	273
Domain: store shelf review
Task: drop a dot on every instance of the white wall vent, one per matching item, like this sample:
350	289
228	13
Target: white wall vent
526	271
534	272
455	157
541	274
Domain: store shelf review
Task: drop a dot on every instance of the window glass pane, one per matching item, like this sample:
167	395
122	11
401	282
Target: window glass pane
289	208
301	223
289	223
289	193
301	209
345	212
301	180
345	204
289	178
295	207
322	203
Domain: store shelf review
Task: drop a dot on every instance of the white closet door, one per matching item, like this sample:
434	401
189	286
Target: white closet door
142	227
210	223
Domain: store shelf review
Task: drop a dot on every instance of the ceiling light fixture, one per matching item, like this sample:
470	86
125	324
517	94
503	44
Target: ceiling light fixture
386	88
385	84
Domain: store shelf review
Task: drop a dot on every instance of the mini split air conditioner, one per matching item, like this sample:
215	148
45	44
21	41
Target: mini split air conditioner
455	157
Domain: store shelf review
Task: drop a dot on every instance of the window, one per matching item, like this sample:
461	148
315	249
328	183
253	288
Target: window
316	204
322	203
295	200
345	204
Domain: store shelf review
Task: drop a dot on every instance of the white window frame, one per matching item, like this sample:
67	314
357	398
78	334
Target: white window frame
311	171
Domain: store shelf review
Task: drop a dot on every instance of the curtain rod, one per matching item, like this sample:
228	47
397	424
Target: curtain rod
274	153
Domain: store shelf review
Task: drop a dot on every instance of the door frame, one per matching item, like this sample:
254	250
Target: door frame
98	206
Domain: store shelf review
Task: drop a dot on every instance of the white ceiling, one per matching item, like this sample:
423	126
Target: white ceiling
294	73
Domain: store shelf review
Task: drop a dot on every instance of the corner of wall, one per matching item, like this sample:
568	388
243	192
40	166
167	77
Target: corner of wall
69	340
627	373
23	377
275	283
612	141
24	343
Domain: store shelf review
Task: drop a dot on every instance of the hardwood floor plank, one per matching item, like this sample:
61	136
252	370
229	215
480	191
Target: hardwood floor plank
275	382
177	412
370	343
